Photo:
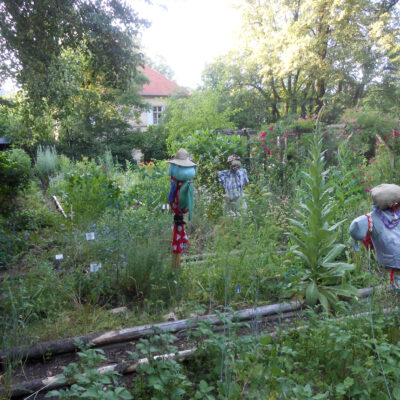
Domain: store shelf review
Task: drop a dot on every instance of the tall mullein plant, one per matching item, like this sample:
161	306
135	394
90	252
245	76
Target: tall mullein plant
315	237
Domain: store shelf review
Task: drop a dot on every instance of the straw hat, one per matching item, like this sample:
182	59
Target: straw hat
182	159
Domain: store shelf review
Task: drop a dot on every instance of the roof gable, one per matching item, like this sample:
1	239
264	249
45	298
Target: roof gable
159	85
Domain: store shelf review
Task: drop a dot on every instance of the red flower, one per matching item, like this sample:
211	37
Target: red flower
271	128
354	176
368	189
363	181
267	150
360	166
324	132
262	134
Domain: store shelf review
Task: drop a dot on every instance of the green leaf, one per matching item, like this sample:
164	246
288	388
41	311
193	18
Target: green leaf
312	294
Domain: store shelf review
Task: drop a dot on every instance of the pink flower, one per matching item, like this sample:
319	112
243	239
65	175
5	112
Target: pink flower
286	133
324	132
262	134
377	142
267	150
364	181
368	189
282	140
300	119
354	176
345	120
306	117
262	139
360	166
271	128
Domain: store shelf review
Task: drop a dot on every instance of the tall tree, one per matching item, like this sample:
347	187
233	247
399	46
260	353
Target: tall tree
318	48
34	33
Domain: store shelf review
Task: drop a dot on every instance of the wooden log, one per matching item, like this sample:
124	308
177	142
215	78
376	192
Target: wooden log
123	335
59	206
54	382
68	345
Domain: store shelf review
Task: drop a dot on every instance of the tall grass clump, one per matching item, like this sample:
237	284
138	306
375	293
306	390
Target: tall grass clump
46	164
314	237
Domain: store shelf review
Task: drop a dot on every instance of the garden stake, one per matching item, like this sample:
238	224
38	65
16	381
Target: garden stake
180	198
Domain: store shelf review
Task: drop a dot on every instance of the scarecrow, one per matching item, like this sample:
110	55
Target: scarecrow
380	229
180	198
234	180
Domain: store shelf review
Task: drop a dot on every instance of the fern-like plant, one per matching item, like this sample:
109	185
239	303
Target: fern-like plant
314	237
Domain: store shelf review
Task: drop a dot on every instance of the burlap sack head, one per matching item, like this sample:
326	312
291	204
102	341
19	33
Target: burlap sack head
385	195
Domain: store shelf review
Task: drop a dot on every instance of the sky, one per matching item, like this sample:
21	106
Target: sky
188	34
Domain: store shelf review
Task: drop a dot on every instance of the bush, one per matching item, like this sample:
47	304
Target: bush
87	188
15	172
46	164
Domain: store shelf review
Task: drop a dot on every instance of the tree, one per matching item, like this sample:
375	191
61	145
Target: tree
33	35
200	111
240	90
316	49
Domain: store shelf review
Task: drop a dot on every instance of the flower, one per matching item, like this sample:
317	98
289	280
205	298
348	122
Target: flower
324	132
262	139
360	166
354	176
364	181
262	134
271	128
286	133
377	142
368	189
267	150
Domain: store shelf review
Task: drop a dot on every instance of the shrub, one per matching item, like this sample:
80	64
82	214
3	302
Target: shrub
15	172
46	164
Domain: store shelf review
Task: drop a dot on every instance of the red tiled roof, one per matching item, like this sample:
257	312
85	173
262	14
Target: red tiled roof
159	85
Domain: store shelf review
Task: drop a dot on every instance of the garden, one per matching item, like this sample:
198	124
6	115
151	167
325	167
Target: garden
86	231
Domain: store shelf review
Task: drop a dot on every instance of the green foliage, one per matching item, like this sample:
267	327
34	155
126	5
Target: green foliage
152	143
367	130
150	187
211	151
15	172
46	164
36	295
315	242
87	188
161	377
88	382
184	116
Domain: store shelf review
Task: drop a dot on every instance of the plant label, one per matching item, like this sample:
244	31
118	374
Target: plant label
90	236
238	289
59	256
94	267
165	207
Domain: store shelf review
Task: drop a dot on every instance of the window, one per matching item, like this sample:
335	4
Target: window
157	110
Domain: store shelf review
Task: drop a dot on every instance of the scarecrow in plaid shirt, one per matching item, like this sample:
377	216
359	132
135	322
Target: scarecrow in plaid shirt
234	180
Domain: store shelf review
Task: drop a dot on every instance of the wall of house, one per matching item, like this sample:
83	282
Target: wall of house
146	117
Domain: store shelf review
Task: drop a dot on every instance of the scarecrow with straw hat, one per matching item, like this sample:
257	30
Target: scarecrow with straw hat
380	229
180	198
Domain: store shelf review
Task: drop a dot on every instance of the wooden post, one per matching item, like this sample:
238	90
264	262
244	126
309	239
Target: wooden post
176	260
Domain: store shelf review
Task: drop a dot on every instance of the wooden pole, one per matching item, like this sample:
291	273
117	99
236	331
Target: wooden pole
124	335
